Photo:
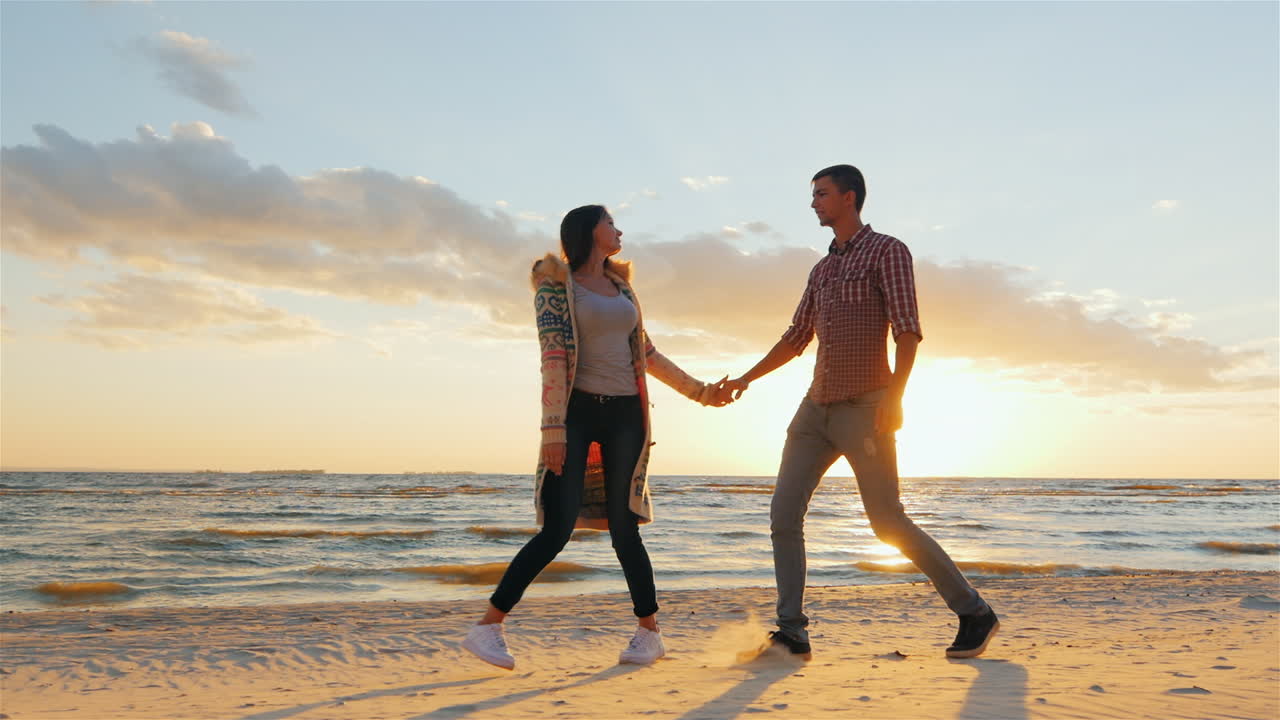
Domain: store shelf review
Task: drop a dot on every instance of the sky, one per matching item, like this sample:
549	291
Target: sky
248	236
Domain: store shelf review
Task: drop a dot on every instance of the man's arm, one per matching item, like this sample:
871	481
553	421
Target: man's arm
781	354
793	342
889	412
899	284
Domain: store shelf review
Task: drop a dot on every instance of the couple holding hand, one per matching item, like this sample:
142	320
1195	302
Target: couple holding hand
595	417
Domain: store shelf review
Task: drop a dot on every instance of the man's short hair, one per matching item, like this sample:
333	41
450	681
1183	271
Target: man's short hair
846	178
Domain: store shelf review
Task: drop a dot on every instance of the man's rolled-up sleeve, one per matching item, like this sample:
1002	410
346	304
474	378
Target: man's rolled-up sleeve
899	285
800	334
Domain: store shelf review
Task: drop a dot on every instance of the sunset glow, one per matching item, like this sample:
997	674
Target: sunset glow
225	249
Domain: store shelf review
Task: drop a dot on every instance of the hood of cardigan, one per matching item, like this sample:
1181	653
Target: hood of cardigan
552	267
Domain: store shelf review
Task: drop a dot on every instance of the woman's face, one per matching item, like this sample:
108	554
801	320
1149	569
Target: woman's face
607	237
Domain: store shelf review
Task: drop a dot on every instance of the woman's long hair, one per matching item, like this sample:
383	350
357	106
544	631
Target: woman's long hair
577	234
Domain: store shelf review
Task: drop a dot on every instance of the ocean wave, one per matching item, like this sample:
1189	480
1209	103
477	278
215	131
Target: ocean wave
313	533
1239	548
1145	487
741	534
491	573
499	533
191	541
276	590
1110	493
246	515
188	491
83	591
1123	544
456	490
348	572
736	488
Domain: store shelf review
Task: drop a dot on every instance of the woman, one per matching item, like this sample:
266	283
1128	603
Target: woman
595	425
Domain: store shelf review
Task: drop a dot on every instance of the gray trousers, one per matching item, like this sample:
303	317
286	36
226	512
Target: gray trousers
819	435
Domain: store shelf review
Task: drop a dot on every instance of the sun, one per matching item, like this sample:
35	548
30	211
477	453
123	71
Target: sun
954	421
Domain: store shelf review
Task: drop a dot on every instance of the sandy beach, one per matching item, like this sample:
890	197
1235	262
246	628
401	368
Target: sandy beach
1176	645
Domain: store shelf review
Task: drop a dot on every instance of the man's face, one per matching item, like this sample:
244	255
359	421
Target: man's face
829	204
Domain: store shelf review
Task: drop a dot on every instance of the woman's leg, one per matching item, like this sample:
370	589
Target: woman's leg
621	442
561	500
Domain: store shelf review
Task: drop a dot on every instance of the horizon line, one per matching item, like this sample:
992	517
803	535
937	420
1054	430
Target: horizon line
476	472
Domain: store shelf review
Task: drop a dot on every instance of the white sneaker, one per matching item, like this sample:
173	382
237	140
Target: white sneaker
645	647
488	643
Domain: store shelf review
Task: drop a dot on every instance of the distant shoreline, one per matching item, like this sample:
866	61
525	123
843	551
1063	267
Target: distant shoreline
1118	478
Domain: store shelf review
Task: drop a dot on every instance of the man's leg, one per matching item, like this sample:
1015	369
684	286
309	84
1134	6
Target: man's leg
805	458
874	458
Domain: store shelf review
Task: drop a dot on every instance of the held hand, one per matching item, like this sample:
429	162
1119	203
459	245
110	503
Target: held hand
737	387
553	457
719	395
889	414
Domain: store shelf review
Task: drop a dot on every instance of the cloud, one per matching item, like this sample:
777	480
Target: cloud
132	309
1165	205
1243	409
189	203
988	312
704	183
195	68
631	198
756	227
993	313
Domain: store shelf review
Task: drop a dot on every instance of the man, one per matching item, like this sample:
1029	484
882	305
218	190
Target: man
861	288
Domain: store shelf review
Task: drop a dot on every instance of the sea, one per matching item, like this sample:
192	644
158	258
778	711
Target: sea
104	539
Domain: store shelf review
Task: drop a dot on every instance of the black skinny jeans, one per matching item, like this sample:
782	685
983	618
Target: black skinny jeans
618	425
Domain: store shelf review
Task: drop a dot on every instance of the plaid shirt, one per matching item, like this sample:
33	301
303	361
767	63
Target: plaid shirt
852	298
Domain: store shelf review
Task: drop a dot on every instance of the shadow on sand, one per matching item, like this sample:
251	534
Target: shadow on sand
298	709
764	671
999	692
465	709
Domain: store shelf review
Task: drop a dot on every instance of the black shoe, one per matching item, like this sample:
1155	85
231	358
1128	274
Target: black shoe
799	648
975	632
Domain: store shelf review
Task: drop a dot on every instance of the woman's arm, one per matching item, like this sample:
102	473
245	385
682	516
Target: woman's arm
547	301
661	367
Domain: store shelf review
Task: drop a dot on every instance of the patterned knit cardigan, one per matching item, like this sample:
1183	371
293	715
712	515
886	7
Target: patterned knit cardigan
557	329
